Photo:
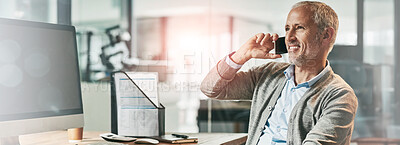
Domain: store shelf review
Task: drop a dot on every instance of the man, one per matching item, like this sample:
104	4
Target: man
303	102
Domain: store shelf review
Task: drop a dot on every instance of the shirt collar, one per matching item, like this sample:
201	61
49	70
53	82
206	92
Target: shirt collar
289	73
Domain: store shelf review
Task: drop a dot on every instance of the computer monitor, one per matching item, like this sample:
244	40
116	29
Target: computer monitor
39	78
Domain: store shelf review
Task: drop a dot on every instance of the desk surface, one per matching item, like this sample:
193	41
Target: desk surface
90	137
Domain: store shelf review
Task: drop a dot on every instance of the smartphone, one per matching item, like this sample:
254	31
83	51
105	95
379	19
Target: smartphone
280	46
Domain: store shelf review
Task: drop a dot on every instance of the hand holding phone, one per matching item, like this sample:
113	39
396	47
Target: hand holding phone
258	46
280	46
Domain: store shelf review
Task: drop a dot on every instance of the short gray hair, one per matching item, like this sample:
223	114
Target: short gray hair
324	16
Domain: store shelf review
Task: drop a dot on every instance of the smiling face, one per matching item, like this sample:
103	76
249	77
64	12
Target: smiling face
302	38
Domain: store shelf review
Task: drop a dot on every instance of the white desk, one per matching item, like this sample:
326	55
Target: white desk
90	137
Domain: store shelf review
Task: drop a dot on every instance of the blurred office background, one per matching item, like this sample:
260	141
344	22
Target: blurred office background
183	39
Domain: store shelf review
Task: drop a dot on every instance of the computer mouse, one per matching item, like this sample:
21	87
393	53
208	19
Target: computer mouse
146	141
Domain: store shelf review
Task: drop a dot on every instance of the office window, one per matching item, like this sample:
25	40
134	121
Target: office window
92	18
376	93
32	10
274	13
379	32
174	35
96	13
150	32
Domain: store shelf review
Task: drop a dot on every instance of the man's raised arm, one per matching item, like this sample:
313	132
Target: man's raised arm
223	81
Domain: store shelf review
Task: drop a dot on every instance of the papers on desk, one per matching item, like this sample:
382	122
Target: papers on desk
136	110
130	95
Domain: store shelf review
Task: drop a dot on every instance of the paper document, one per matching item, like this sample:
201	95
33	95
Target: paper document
137	116
147	82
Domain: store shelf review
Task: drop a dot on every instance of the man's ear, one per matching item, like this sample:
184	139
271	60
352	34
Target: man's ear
328	34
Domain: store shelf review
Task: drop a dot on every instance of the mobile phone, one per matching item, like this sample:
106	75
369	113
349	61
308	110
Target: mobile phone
280	46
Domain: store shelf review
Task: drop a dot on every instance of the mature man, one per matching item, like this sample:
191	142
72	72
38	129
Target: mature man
303	102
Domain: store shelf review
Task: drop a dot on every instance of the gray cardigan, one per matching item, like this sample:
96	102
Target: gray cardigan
324	115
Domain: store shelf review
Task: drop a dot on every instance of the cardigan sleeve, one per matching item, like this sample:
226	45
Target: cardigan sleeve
225	83
335	126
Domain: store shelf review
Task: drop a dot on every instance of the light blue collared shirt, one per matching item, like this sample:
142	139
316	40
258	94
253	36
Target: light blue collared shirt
275	129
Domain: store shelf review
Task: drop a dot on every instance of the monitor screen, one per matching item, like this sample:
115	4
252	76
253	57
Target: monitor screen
39	73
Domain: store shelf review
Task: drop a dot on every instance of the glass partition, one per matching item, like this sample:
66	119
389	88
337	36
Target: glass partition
376	98
98	24
37	10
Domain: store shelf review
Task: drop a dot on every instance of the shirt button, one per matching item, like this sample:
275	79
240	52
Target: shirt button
284	110
269	108
293	89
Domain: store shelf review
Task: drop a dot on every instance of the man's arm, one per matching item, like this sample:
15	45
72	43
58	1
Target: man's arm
222	82
337	121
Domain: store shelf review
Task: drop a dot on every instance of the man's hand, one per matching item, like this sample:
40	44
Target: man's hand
257	46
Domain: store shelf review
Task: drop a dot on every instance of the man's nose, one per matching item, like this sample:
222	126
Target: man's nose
290	35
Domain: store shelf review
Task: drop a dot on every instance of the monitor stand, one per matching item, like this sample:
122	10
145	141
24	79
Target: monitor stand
9	140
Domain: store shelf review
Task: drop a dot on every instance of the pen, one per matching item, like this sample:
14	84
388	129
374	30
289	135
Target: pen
180	136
